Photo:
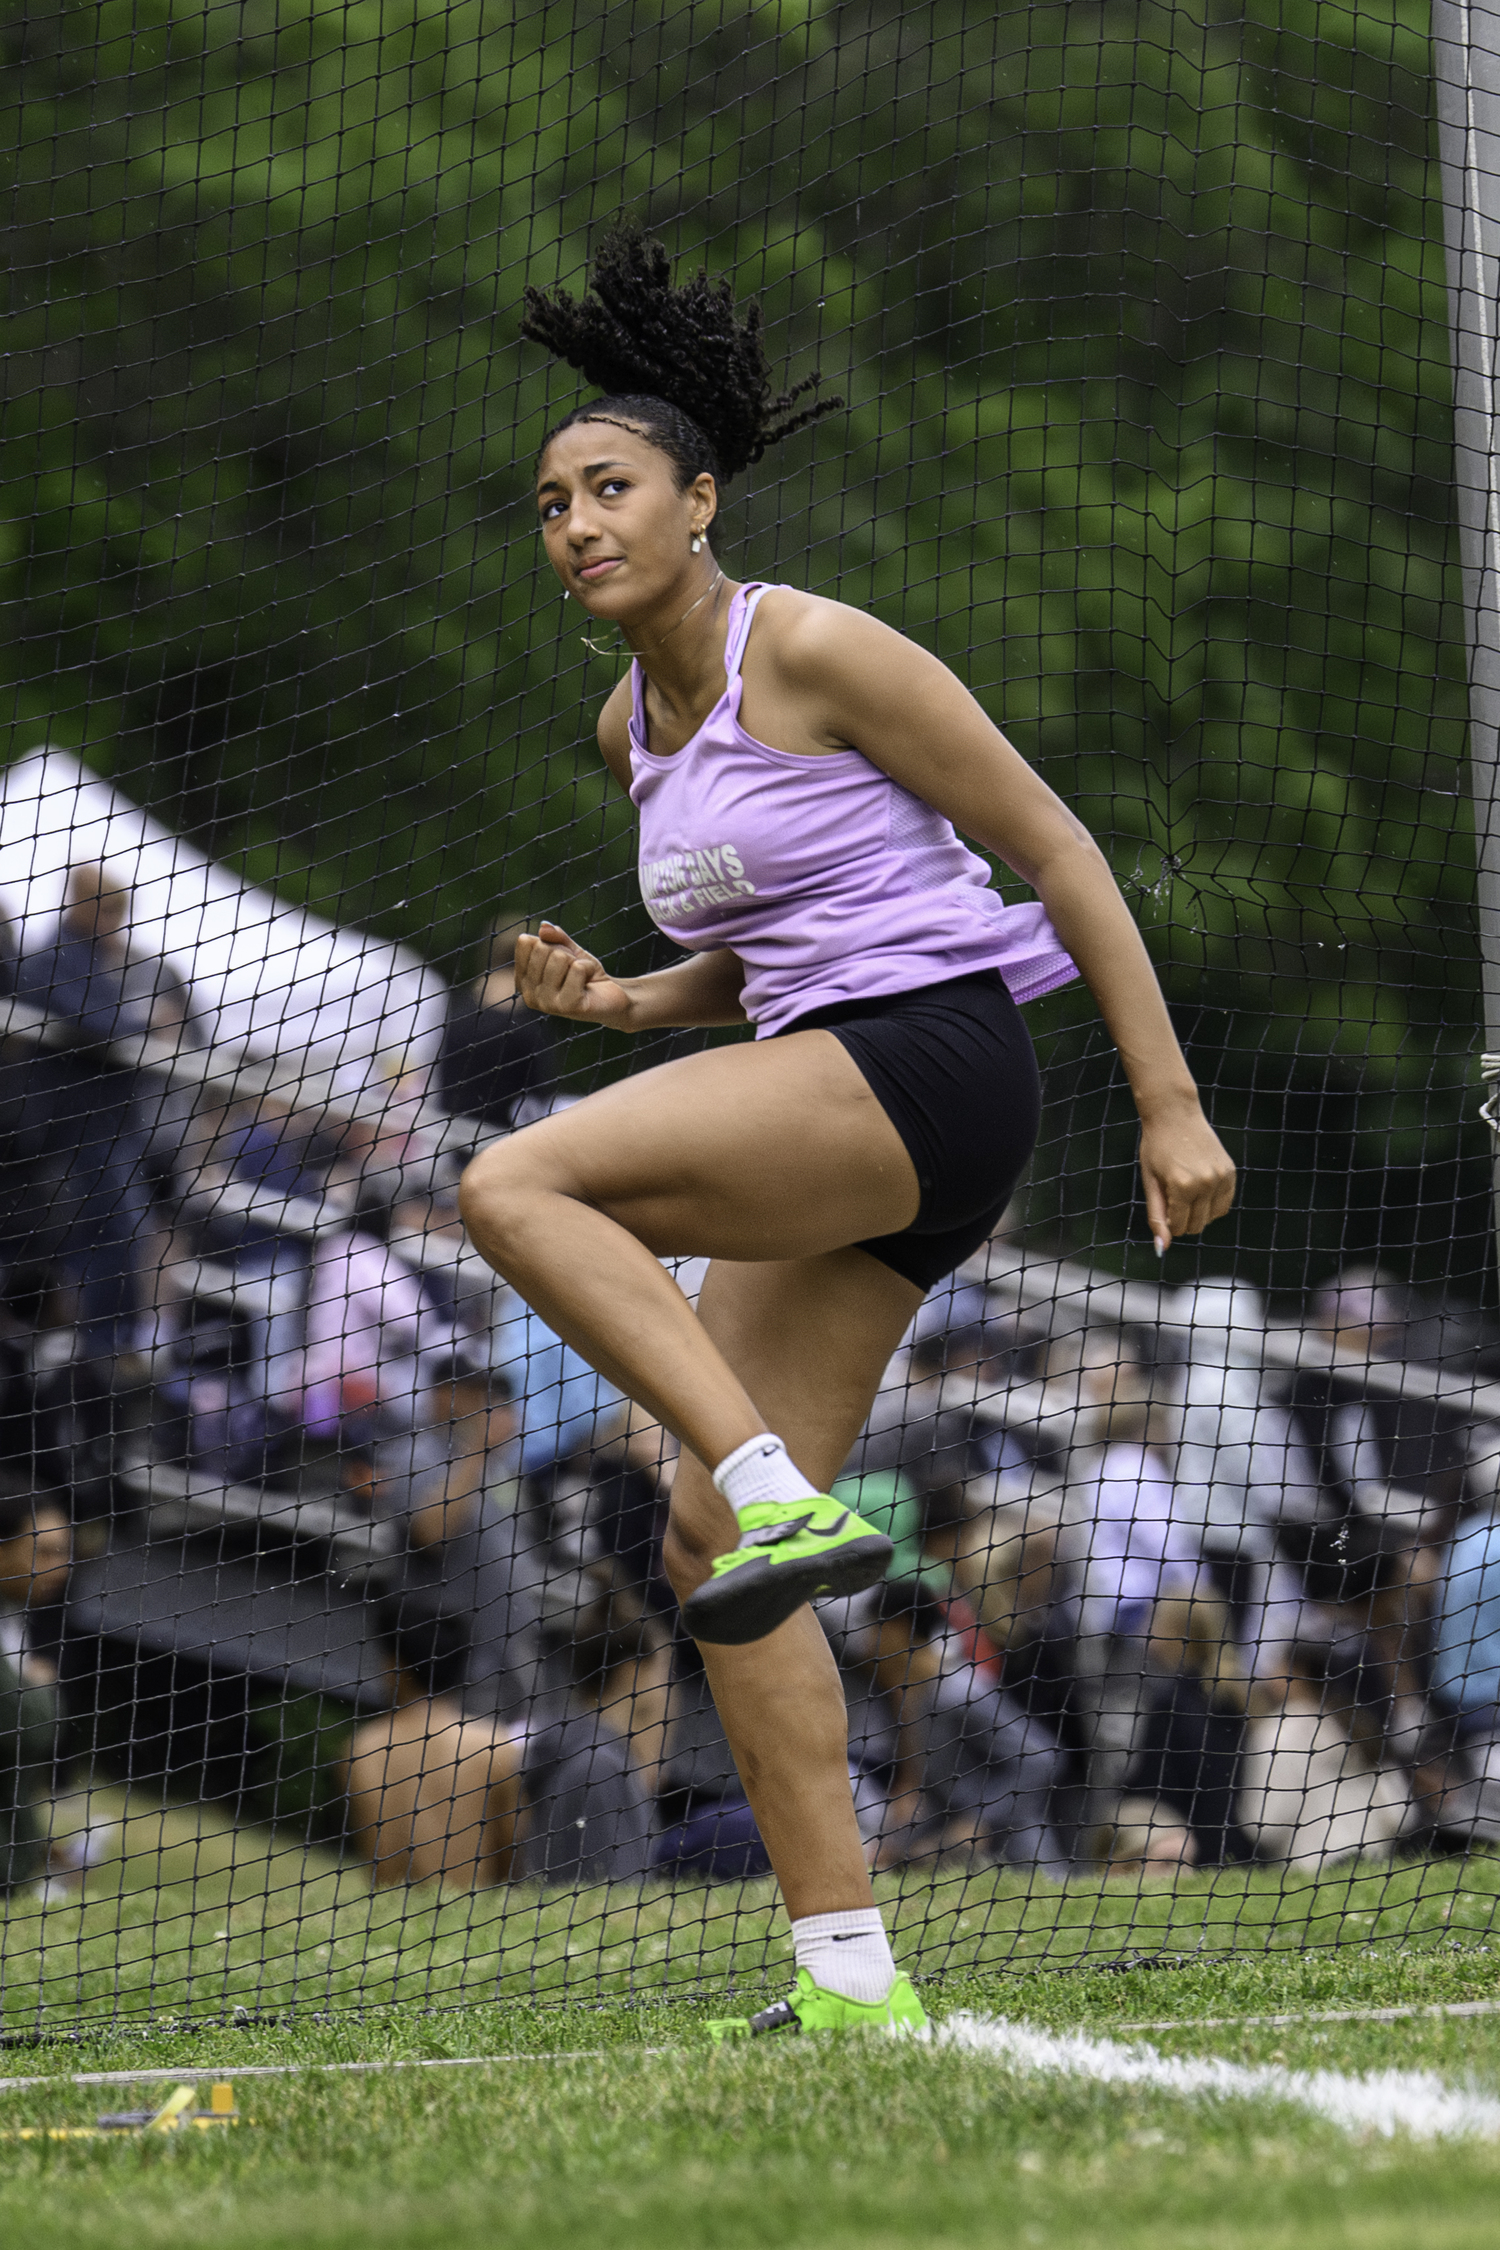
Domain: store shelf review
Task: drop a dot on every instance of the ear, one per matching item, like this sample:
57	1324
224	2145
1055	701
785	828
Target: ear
703	495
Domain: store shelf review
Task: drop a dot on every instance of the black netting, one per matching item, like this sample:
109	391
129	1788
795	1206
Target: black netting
338	1662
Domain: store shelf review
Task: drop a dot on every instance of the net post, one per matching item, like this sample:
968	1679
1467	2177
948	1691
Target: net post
1466	66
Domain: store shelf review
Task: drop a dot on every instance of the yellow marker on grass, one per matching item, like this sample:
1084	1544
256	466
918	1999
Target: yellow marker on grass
175	2112
170	2116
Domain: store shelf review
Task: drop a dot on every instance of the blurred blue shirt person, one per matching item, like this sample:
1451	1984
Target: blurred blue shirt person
1466	1659
559	1399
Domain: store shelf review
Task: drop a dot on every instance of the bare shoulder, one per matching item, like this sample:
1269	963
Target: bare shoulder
811	637
614	731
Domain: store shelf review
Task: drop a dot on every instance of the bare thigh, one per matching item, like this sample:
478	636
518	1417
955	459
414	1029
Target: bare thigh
771	1150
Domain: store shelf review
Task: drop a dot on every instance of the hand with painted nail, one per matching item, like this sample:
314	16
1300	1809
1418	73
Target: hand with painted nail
1187	1172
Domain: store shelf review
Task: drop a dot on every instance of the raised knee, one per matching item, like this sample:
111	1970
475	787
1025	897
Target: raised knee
482	1184
494	1195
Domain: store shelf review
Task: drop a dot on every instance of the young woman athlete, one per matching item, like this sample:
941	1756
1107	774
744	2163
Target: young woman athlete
799	771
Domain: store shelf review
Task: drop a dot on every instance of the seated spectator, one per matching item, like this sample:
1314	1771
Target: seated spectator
966	1769
565	1801
388	1144
1466	1680
1131	1550
1397	1458
1224	1769
458	1459
1362	1310
267	1144
336	1339
941	1414
607	1506
110	1130
210	1412
1012	1566
1184	1779
565	1406
373	1338
424	1227
1245	1471
433	1796
1014	1580
1370	1660
1312	1789
529	1610
89	974
463	1615
1466	1639
591	1775
1393	1473
35	1558
1133	1547
490	1597
497	1054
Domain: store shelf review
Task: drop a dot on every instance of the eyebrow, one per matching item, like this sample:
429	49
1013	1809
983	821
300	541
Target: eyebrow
591	469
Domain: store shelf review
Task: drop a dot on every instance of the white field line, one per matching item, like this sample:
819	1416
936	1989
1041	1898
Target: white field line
1381	2101
953	2030
1320	2015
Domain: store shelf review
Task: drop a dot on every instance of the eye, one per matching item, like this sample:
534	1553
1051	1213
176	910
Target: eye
551	508
615	484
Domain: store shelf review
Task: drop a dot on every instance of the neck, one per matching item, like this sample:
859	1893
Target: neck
681	649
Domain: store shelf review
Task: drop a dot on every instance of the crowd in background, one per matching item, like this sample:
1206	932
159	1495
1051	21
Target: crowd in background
1153	1606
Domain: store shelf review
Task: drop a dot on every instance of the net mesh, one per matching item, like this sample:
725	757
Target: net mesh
337	1662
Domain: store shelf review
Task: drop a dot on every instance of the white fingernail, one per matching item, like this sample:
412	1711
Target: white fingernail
1161	1248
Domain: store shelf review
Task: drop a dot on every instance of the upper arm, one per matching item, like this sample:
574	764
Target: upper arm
614	732
912	717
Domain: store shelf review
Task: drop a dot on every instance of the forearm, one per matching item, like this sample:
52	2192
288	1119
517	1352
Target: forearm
696	993
1086	909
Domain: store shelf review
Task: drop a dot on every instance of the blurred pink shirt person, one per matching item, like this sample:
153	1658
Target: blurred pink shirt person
369	1322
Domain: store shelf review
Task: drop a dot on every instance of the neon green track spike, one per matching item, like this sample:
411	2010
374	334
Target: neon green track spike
810	2008
789	1552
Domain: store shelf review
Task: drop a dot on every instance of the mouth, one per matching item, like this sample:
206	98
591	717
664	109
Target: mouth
591	573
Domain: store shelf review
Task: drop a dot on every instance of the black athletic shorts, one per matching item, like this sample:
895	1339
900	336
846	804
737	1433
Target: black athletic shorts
953	1067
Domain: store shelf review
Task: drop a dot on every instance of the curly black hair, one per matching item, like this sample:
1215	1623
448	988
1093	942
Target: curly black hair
675	362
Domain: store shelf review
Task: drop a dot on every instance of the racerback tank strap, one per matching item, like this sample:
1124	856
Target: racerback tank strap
739	631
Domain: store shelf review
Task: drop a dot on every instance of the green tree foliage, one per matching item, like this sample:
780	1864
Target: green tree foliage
1141	315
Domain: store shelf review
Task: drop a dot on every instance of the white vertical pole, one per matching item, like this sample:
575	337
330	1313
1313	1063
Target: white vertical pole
1466	55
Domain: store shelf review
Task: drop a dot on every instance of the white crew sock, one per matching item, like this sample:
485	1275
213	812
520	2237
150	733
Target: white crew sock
760	1469
846	1953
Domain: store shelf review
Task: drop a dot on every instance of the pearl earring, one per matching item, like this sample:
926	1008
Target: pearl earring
697	542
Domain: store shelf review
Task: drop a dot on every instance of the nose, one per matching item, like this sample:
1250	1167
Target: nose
581	525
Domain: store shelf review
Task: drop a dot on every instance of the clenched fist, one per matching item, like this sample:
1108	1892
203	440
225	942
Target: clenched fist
557	978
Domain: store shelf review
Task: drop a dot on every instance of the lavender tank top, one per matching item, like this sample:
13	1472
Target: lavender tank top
827	879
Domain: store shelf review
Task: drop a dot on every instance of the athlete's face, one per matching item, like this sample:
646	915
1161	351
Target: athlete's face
617	528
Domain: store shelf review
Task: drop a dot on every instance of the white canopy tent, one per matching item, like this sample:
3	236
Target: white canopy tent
291	990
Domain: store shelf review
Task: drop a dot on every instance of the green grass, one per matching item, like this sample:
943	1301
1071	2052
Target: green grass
790	2143
613	2121
191	1917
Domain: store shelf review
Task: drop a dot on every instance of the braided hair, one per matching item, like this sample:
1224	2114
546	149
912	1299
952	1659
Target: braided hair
675	363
